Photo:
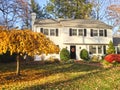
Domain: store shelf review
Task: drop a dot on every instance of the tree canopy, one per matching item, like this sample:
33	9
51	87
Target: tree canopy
18	12
114	14
76	9
40	11
25	42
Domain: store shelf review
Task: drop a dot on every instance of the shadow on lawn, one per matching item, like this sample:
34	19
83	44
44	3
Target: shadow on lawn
66	68
71	69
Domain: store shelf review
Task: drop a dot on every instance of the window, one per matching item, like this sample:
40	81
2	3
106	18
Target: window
92	49
46	32
95	32
74	32
95	49
101	33
98	32
80	32
99	49
77	32
52	32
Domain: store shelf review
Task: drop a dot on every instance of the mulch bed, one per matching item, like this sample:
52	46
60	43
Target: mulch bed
89	63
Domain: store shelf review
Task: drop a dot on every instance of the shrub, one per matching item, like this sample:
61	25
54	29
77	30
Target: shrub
6	57
95	58
112	57
111	48
84	55
64	54
51	60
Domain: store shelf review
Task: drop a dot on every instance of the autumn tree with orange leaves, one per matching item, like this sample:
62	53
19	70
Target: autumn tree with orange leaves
114	13
25	42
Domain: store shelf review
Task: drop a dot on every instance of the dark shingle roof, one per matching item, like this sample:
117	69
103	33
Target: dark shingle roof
80	23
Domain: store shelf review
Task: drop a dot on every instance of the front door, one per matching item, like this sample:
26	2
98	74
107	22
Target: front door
72	52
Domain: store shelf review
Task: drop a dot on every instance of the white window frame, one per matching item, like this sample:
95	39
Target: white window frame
53	32
100	47
45	32
101	34
92	47
80	32
96	47
95	32
73	32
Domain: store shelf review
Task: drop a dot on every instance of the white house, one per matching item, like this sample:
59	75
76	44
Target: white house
75	34
116	41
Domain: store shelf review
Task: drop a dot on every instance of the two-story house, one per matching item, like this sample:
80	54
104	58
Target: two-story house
75	34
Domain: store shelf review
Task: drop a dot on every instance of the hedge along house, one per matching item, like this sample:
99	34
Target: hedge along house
75	34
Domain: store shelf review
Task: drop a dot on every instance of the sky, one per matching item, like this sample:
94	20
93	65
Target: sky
42	2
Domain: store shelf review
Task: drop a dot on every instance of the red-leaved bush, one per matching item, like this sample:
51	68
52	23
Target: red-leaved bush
112	57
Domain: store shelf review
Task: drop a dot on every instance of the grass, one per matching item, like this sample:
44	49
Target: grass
70	76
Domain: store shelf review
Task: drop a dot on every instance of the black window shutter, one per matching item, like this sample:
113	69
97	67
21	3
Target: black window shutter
91	33
104	49
70	31
105	33
85	32
56	32
41	30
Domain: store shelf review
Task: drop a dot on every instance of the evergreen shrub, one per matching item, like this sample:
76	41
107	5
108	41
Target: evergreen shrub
111	48
84	55
64	54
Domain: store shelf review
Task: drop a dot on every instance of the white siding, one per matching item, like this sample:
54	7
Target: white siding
81	42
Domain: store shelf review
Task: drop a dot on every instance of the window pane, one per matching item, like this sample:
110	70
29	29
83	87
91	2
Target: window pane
95	33
100	32
80	32
46	31
74	32
52	32
99	49
92	49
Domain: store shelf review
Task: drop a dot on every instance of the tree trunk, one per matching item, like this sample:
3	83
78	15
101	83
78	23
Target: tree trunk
18	65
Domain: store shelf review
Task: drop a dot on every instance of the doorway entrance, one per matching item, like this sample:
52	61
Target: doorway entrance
72	52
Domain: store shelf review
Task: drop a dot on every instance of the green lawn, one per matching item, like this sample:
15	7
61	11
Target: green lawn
70	76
